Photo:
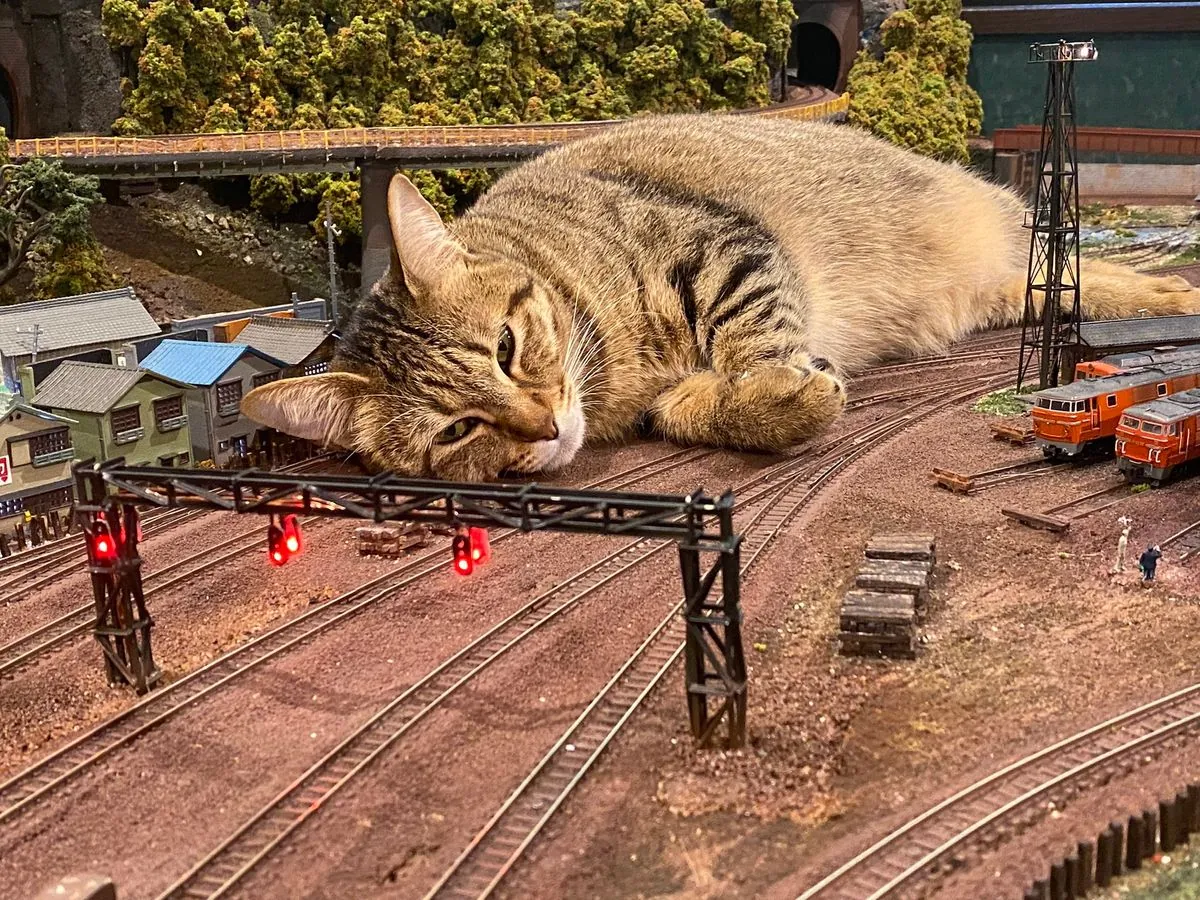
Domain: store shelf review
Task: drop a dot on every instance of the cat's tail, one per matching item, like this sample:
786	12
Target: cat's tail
1108	291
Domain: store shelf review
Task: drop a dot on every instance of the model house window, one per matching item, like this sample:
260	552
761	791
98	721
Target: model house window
127	424
168	414
317	368
53	446
40	504
229	397
265	378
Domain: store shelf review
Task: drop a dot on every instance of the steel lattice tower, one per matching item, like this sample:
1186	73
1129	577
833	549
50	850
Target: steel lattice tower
1054	222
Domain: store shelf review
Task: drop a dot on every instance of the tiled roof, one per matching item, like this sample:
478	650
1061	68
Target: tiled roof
195	362
1183	405
1148	330
87	387
67	322
290	341
10	402
1094	387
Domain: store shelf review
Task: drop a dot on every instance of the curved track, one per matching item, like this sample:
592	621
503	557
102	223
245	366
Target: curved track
777	494
922	847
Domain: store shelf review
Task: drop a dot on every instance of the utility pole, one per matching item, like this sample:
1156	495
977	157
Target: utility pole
330	232
1054	221
36	331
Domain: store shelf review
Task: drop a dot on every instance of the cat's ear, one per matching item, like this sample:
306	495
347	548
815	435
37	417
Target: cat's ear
316	407
426	250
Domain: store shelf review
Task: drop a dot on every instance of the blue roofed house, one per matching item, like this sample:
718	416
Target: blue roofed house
219	375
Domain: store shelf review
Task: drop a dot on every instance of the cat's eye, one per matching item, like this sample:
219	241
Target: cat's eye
457	431
504	350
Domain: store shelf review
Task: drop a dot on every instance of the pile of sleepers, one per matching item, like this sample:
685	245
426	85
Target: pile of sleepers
390	540
880	614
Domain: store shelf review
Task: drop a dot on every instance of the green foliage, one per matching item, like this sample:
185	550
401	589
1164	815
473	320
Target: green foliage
1001	403
43	207
221	65
75	268
917	96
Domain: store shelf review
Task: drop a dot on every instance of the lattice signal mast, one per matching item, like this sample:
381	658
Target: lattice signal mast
1054	221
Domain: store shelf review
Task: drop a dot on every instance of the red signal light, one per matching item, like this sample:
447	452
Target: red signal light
104	546
464	559
277	548
481	549
291	534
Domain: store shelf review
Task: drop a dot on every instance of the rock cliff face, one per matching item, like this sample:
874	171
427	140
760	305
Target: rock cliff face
62	73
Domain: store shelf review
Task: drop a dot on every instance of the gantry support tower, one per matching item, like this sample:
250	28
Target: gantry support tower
1052	314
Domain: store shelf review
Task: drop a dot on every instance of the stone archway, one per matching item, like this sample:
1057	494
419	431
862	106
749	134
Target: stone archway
825	39
815	57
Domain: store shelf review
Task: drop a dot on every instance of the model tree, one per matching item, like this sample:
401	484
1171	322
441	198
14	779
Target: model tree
44	221
278	64
917	96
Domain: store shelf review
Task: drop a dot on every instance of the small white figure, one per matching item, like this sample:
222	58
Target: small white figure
1122	545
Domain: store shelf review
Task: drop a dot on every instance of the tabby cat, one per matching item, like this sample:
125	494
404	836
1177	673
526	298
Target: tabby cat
713	277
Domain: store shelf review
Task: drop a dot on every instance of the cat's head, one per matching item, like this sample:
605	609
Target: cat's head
458	365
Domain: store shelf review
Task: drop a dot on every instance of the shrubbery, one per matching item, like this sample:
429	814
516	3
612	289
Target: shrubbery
917	96
225	66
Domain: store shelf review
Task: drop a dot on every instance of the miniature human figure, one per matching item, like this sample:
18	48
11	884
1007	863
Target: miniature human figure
1122	546
1149	562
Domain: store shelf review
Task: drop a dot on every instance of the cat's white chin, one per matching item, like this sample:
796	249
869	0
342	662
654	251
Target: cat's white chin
556	454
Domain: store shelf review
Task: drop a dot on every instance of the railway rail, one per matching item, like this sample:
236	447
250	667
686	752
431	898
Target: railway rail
51	773
922	848
57	769
1059	517
228	864
973	482
1186	542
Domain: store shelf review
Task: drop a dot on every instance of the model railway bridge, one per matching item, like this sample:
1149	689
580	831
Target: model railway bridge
376	153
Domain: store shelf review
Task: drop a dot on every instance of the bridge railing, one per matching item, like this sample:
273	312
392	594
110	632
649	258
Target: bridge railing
258	142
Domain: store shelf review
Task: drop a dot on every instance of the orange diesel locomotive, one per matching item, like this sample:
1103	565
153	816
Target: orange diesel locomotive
1083	415
1154	438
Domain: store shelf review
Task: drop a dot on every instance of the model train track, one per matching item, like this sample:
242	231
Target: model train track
940	361
501	843
56	770
1185	542
54	636
1059	517
226	866
973	482
920	848
63	559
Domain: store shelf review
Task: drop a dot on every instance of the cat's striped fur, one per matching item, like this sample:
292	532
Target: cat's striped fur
712	276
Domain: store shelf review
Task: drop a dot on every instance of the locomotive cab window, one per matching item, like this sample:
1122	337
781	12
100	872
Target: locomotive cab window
1152	428
1162	390
1111	399
1129	421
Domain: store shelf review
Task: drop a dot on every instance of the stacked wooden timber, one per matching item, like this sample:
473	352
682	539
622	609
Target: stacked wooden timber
880	613
390	540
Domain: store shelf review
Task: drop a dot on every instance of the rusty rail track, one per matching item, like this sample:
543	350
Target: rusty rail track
502	842
1058	518
919	849
234	859
65	764
973	482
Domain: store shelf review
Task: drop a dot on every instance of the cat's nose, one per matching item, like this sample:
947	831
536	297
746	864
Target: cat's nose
550	433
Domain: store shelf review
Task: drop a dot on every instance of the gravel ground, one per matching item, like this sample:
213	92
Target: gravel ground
841	750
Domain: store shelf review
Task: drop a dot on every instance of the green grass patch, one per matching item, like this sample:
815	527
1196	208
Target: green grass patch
1006	402
1177	880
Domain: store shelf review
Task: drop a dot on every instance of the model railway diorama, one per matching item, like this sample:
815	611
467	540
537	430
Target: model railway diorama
253	653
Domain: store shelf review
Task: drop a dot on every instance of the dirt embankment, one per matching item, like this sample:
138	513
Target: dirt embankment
187	255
